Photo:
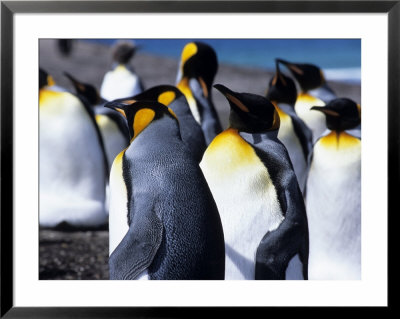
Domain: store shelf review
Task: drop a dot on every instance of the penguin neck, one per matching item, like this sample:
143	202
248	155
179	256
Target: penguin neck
184	87
179	106
284	109
163	131
255	138
323	92
254	127
120	67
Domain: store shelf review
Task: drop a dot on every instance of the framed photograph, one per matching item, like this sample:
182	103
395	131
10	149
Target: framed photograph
49	274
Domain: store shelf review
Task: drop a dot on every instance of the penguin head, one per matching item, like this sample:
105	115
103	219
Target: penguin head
199	60
341	114
139	114
88	91
124	51
308	76
281	89
164	94
250	113
45	79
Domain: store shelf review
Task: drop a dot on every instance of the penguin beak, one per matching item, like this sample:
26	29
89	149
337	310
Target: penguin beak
326	110
232	97
117	106
278	76
291	66
223	89
277	61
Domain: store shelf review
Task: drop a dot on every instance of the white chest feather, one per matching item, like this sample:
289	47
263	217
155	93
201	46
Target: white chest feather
315	120
119	83
72	176
118	212
114	141
289	138
334	208
246	200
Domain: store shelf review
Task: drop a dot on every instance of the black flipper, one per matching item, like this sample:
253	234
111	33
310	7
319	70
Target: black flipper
301	129
90	111
210	122
279	246
118	119
137	249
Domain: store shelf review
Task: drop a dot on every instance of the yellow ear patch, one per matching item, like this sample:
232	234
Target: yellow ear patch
237	102
296	69
322	75
330	112
166	98
50	80
172	113
359	110
128	102
142	119
121	111
189	50
277	121
274	79
282	115
204	87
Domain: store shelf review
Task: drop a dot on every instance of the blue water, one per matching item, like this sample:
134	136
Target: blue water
338	57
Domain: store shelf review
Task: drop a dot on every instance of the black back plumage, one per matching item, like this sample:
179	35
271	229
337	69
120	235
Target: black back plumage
282	90
87	94
171	96
199	71
341	114
258	123
174	226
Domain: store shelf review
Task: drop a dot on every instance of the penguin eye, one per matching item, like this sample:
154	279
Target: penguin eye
238	103
166	97
142	119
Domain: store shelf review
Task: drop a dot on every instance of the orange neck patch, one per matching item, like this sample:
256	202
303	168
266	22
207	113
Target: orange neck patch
166	97
339	140
142	119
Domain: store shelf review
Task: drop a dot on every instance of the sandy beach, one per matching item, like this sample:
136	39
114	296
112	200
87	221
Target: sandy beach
84	254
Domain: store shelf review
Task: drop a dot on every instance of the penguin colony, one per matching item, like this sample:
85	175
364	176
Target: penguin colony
274	196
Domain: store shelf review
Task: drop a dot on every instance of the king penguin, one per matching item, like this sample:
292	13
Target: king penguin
121	81
112	125
197	69
191	132
164	223
293	132
72	161
333	199
253	183
314	91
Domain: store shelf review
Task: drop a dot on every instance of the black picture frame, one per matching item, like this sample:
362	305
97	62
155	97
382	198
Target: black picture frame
9	8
